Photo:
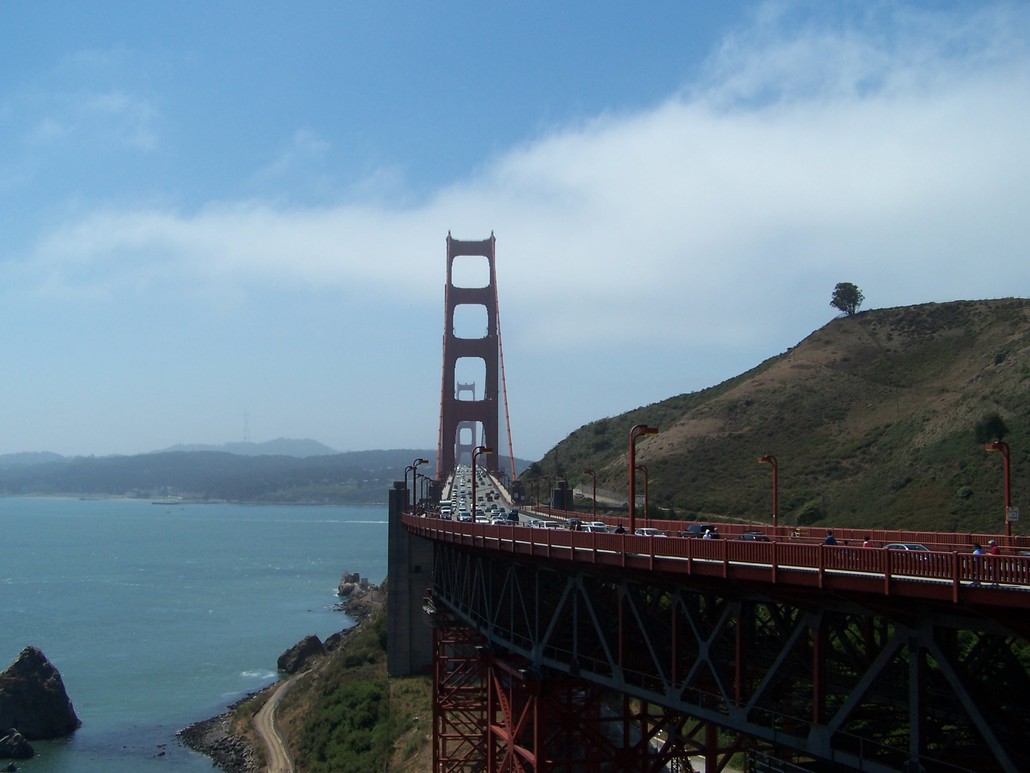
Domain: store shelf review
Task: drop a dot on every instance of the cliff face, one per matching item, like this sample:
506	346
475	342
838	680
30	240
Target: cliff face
33	699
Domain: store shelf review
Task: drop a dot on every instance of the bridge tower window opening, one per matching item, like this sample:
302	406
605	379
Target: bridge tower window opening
471	370
470	436
469	321
471	272
466	435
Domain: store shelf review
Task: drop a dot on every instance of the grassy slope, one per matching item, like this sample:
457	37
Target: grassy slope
871	419
347	716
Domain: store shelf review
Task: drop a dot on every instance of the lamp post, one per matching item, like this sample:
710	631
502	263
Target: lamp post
407	500
564	493
476	452
770	459
423	489
635	431
593	492
550	488
647	507
413	466
1003	447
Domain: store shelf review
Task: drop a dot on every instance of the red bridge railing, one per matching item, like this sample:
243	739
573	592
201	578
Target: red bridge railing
943	575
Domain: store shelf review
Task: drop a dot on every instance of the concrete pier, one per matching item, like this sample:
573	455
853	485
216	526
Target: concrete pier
409	642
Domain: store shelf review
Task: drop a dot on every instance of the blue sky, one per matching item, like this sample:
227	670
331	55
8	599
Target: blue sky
228	218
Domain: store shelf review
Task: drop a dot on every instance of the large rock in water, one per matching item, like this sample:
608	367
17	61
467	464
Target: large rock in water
300	654
33	699
13	746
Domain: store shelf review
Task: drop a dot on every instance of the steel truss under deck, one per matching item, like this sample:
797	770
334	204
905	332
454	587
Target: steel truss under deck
536	664
495	712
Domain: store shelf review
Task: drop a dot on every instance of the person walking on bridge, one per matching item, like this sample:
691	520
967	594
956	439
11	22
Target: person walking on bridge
992	563
977	552
830	539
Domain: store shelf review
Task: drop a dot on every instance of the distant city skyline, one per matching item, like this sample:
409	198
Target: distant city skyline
223	220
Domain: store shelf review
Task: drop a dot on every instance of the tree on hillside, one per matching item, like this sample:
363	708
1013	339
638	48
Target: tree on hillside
990	428
847	297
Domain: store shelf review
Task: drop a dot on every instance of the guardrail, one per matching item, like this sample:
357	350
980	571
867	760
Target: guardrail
953	576
943	539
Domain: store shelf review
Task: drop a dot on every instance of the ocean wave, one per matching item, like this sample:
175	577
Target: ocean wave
260	674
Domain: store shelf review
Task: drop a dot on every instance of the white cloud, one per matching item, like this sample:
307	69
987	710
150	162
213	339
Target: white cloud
892	155
90	120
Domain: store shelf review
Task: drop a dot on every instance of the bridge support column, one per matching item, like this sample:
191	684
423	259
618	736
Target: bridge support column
460	716
409	640
493	711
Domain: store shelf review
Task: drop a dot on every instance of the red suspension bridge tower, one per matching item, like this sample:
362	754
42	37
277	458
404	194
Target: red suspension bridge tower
466	422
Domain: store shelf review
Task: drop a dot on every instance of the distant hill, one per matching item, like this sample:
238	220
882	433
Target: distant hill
871	419
356	477
277	447
28	459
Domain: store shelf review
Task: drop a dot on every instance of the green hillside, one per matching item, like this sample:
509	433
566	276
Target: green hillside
872	420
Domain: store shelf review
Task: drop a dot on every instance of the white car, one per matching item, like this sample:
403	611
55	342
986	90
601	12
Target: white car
647	531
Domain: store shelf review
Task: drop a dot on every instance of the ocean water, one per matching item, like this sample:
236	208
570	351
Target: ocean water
158	616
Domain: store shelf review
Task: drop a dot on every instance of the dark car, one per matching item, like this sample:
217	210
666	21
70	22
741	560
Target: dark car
754	536
699	529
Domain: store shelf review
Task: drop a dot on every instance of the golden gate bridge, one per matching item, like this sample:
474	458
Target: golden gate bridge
564	650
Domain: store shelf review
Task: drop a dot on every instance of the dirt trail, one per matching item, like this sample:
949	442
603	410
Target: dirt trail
277	755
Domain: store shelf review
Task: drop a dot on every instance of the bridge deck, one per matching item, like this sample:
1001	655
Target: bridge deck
939	575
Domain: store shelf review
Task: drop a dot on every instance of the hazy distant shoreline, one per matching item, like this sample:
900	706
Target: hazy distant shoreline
160	502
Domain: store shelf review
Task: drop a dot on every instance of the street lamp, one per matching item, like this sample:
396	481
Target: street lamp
770	459
1003	447
593	494
423	489
413	466
647	508
407	499
550	489
635	431
476	452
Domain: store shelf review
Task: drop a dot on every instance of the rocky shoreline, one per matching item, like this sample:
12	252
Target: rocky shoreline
233	752
215	738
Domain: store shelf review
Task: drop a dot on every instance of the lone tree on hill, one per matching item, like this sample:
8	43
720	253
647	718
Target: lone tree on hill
847	297
990	428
